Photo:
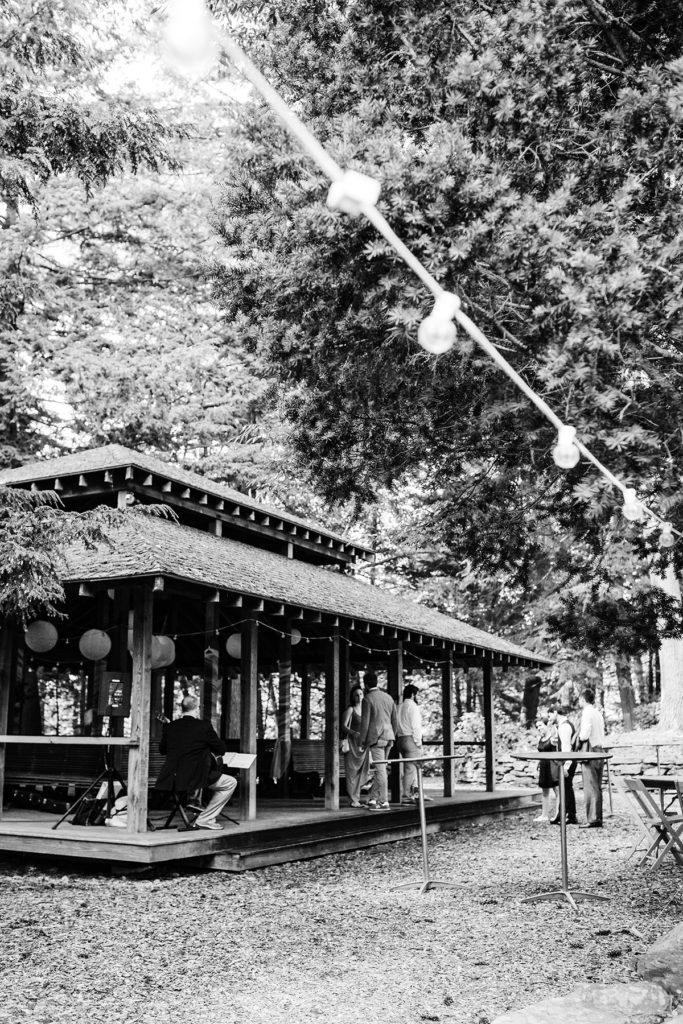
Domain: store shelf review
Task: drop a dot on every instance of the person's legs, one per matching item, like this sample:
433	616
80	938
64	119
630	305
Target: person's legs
353	778
379	791
222	790
545	806
407	747
591	792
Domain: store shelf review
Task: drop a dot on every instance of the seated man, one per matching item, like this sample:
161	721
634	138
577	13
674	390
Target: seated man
190	745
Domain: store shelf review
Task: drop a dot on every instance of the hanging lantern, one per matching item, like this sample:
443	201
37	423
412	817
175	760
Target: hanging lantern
233	645
296	636
163	651
41	636
565	453
94	645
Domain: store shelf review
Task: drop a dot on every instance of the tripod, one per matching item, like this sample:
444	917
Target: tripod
111	776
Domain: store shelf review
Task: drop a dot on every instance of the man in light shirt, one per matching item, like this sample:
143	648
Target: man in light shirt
592	736
409	739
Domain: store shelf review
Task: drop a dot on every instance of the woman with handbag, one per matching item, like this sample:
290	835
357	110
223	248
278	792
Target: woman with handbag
356	761
547	771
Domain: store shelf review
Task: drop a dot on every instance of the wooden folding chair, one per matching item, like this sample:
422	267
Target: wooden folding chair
661	832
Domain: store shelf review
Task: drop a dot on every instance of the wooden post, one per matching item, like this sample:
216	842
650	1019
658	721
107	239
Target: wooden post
305	722
395	689
211	685
447	727
489	727
332	679
284	704
140	704
248	695
7	634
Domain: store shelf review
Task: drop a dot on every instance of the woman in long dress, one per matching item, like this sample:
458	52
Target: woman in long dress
356	761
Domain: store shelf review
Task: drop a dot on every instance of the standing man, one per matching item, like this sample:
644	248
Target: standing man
378	732
191	747
592	736
409	739
565	737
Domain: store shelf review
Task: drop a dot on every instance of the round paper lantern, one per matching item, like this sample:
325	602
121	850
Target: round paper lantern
233	645
41	636
163	651
296	636
94	645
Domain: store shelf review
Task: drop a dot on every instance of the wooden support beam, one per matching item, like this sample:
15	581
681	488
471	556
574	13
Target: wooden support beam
108	477
211	686
447	727
284	705
489	727
7	642
248	697
305	722
185	493
204	499
234	601
141	698
58	485
395	689
216	527
167	487
130	475
332	685
148	481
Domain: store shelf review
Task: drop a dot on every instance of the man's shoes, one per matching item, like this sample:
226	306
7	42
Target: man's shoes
384	807
591	824
371	805
541	817
555	820
355	803
408	800
572	821
212	826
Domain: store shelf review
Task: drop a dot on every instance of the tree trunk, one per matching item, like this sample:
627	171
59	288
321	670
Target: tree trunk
639	679
670	661
532	690
622	665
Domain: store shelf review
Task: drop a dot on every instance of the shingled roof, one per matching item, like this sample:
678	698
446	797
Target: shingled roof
117	456
148	546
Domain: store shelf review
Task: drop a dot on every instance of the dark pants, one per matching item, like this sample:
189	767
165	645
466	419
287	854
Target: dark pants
592	789
569	798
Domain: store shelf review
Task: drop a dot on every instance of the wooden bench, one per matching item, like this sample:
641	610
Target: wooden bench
309	756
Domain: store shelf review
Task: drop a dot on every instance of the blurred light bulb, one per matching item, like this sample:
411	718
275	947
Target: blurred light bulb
666	537
352	192
437	332
190	34
632	508
565	453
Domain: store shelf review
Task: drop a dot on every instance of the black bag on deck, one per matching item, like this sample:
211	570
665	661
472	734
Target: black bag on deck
91	811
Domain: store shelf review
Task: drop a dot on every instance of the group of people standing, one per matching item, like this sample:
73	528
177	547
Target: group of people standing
558	733
370	727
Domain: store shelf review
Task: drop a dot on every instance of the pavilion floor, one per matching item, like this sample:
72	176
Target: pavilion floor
282	832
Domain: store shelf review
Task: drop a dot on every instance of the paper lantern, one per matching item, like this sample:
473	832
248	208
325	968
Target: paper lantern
94	645
163	651
41	636
233	645
296	636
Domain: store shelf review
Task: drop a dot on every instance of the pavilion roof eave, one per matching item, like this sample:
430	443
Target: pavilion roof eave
203	563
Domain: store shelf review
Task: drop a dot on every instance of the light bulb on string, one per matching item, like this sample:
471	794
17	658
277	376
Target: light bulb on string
632	509
666	537
437	332
352	192
190	36
565	453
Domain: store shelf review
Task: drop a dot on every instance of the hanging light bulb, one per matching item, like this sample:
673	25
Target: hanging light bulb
437	332
666	537
632	508
565	453
190	36
352	192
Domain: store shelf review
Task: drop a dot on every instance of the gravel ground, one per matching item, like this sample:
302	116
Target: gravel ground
327	939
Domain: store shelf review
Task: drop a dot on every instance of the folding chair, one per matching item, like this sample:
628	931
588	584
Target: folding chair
661	832
182	805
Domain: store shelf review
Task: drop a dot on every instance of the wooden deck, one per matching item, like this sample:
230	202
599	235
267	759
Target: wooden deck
283	832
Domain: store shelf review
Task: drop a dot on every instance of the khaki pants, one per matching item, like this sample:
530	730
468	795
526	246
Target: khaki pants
222	790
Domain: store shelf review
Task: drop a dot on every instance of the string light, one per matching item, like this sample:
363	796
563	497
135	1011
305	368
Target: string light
632	509
437	332
666	537
355	193
565	453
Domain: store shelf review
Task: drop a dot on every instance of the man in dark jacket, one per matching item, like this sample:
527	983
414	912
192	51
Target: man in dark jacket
378	732
190	745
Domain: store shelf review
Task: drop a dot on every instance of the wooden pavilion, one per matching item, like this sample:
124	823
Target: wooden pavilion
228	589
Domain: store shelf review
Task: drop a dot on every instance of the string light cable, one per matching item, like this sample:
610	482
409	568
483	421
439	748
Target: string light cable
195	40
